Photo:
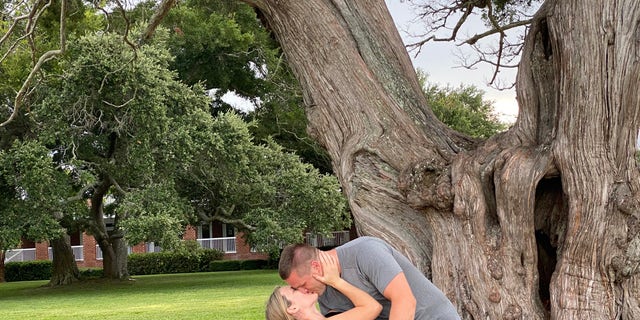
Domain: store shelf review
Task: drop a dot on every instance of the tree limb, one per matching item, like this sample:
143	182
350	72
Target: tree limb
41	61
499	20
224	218
162	11
499	29
127	25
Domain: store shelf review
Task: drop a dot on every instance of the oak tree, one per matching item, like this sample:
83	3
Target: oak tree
558	191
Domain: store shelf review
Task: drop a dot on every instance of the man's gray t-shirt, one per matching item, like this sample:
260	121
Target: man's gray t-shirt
370	264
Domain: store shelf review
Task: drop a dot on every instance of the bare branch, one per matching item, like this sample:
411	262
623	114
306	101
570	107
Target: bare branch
500	45
437	16
454	33
500	29
79	195
107	15
127	25
12	27
41	61
121	105
32	19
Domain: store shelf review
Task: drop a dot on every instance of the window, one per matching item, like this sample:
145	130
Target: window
205	231
229	230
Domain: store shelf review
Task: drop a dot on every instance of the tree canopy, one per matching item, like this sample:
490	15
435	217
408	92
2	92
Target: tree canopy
143	147
463	108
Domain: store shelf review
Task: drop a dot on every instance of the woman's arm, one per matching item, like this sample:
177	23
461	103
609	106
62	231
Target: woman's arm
366	308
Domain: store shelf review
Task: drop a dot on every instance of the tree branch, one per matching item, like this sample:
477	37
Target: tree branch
32	19
452	36
224	218
41	61
127	25
499	29
499	21
117	186
162	11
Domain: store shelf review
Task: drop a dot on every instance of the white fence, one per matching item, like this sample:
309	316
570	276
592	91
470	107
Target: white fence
226	245
19	255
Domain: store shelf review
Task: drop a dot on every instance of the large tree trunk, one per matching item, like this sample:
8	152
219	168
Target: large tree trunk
114	257
538	222
2	267
65	270
111	242
366	107
593	61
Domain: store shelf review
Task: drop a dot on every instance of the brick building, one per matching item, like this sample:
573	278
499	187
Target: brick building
214	235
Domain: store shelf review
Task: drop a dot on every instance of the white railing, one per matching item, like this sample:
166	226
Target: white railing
333	240
78	252
226	244
152	247
19	255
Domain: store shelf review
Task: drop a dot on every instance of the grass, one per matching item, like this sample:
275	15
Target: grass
214	296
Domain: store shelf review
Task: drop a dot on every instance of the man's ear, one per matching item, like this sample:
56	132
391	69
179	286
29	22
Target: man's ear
316	267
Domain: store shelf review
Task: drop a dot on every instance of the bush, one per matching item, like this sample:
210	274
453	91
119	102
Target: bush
254	264
40	270
181	261
225	265
28	270
234	265
209	256
91	273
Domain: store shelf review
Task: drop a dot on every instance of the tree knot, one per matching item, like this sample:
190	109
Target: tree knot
513	312
628	264
625	200
427	184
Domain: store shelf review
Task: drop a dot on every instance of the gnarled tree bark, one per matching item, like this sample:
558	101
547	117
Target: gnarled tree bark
111	242
538	222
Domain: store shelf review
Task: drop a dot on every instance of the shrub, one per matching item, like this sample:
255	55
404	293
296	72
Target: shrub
225	265
28	270
234	265
208	256
181	261
91	273
254	264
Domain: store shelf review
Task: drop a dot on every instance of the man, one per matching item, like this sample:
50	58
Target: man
375	267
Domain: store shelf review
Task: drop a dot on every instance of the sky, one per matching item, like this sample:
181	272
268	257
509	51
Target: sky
441	62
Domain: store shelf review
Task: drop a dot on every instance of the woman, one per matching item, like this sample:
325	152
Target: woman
286	303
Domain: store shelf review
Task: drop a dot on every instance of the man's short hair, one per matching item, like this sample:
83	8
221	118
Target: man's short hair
296	257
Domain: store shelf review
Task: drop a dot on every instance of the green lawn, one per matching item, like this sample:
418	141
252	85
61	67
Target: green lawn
213	296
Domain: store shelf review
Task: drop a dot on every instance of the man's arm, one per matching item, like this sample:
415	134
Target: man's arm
403	303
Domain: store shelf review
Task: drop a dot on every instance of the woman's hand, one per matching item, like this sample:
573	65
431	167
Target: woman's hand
365	306
330	269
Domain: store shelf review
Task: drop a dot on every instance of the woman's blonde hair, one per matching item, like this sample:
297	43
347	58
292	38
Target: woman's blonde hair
277	306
